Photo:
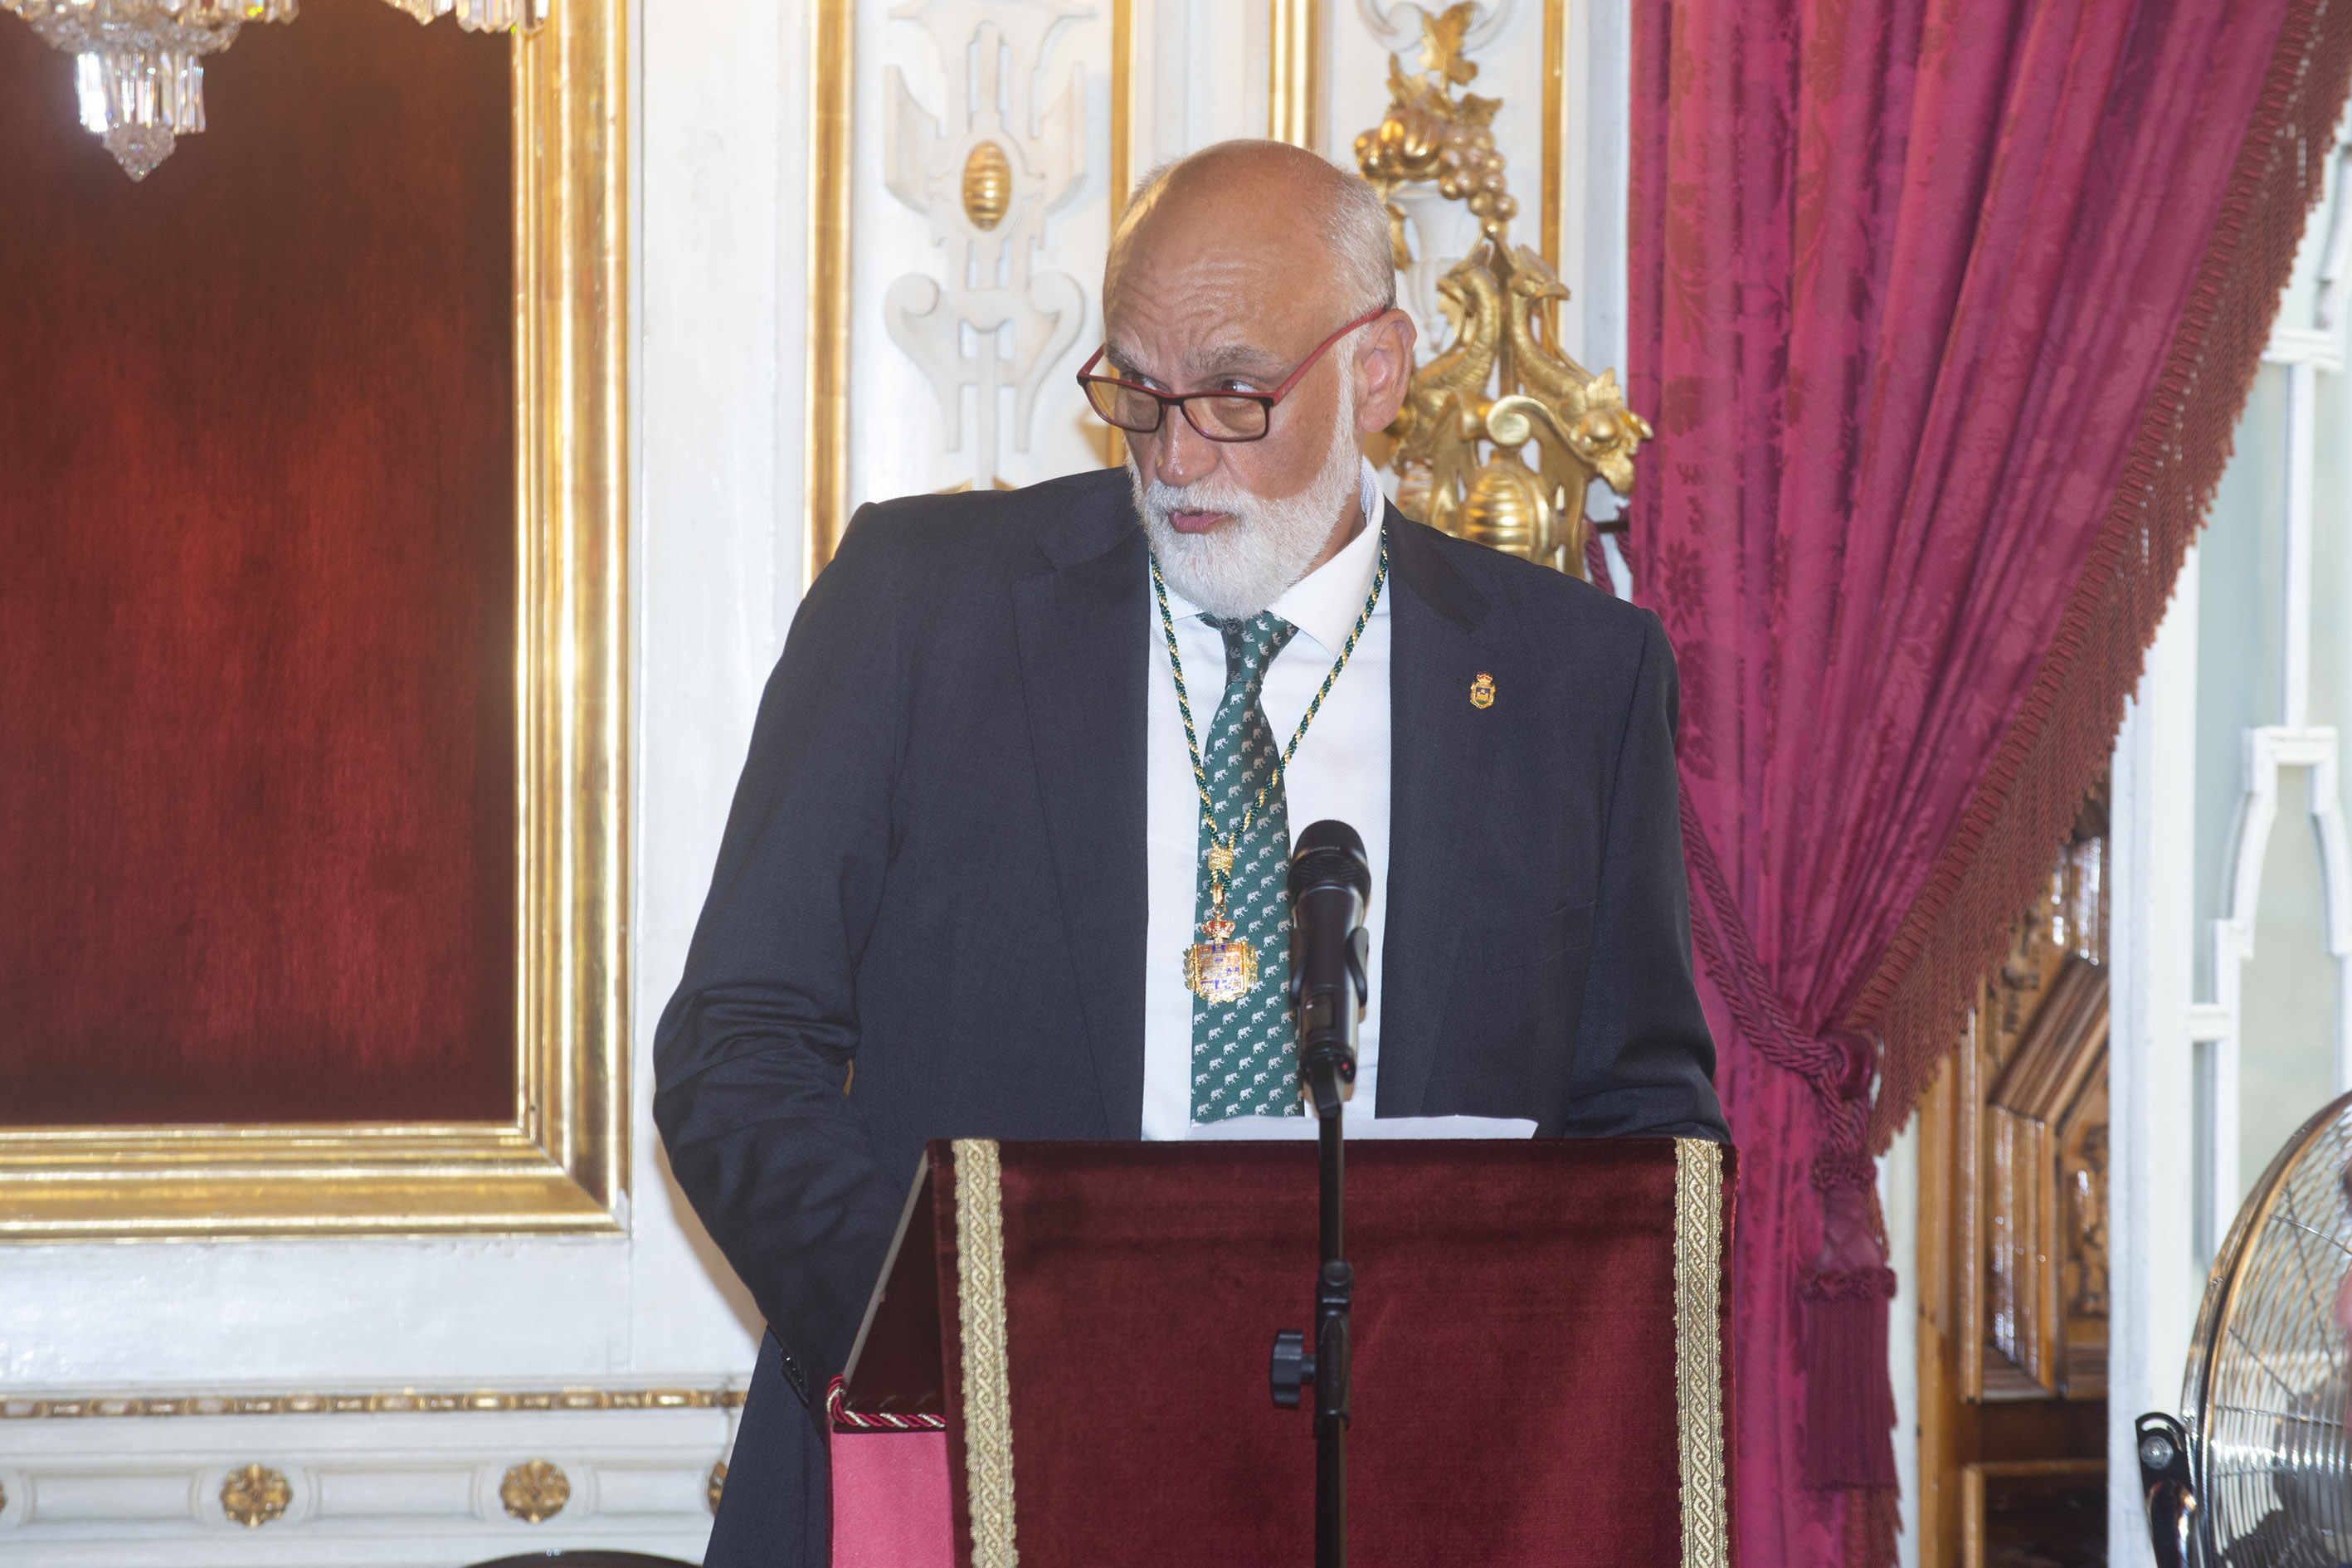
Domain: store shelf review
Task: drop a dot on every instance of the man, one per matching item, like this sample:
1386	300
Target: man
983	830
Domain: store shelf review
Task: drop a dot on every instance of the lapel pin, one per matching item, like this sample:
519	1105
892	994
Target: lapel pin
1482	690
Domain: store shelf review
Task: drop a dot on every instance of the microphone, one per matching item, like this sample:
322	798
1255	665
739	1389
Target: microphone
1330	884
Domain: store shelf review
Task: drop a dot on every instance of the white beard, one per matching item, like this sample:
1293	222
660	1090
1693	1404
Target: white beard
1242	565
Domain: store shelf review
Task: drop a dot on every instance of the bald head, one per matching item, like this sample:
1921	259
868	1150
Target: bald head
1277	207
1257	269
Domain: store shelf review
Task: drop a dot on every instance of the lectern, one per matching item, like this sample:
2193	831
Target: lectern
1066	1360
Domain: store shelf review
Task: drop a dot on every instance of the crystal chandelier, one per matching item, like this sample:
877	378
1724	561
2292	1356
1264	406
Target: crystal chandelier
139	68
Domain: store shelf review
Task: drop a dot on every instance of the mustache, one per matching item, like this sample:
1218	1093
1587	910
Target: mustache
1200	495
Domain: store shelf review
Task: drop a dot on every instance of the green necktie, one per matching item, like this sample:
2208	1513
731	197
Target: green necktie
1242	1050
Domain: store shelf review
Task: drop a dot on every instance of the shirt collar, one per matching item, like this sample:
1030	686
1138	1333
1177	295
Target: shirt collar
1324	603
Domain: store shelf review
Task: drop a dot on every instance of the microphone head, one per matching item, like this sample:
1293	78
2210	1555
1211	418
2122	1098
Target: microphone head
1329	854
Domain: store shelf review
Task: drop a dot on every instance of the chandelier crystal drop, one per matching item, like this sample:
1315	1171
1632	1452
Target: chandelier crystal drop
139	69
478	15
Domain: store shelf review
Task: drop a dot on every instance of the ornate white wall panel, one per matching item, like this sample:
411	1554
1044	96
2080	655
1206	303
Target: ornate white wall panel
1008	307
1005	151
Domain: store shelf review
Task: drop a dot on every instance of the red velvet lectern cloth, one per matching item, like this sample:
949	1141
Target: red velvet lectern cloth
1539	1363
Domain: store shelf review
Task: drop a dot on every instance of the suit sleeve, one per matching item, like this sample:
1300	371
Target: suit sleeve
753	1054
1645	1057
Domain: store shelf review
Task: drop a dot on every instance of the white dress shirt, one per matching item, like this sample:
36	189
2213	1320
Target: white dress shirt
1340	770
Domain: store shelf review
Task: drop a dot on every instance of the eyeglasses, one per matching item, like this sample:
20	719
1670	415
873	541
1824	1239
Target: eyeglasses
1217	416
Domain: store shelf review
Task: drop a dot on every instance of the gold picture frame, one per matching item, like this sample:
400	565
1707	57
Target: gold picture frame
832	36
560	1162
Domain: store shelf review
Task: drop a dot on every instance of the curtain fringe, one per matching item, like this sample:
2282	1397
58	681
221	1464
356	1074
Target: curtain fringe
1849	1407
2025	805
1873	1521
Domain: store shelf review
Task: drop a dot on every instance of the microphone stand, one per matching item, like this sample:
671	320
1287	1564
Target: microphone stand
1326	1369
1329	965
1335	1290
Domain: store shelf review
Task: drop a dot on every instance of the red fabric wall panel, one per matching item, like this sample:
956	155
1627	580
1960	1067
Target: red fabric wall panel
257	573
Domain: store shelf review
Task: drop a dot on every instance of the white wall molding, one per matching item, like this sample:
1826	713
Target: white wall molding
1898	1201
366	1491
2152	1270
2268	749
2321	348
2290	742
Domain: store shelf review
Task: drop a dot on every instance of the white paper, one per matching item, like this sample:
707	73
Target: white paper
1246	1129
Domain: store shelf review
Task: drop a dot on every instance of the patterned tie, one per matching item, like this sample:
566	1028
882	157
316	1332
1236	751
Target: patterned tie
1242	1050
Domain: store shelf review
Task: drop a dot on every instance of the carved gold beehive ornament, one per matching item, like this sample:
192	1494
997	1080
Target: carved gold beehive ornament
1502	384
987	185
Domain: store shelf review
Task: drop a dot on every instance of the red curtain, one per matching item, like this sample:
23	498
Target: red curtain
1943	310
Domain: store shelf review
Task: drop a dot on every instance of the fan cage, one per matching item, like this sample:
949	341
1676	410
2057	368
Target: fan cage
2264	1399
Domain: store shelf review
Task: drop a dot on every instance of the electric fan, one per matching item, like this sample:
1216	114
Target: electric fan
2258	1474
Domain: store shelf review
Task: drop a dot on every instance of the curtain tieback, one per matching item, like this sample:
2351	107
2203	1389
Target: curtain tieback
1849	1407
1839	1066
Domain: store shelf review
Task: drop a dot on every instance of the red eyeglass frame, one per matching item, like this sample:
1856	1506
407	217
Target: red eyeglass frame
1179	399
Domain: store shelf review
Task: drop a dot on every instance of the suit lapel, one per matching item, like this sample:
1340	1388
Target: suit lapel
1439	757
1084	663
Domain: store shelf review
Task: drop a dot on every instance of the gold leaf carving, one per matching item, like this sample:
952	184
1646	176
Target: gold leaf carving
1503	384
536	1492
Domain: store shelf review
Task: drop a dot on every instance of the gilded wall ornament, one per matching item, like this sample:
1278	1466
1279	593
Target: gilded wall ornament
716	1488
987	185
536	1492
399	1402
1503	382
255	1495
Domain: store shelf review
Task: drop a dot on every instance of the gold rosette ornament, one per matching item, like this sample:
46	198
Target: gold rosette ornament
535	1491
254	1496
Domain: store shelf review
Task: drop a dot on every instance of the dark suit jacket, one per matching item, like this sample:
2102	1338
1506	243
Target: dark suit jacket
934	870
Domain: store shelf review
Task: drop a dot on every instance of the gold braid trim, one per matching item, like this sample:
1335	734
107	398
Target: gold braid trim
1699	1350
987	1393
